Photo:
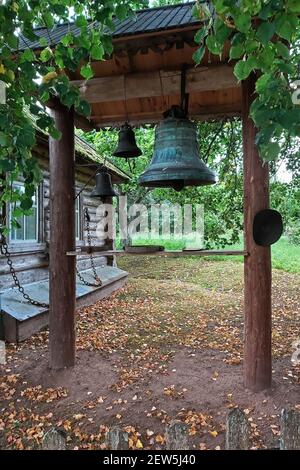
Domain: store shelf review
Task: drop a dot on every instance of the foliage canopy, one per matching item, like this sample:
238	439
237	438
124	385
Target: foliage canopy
33	77
264	39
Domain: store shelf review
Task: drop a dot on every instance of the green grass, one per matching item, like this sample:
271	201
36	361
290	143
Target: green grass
284	255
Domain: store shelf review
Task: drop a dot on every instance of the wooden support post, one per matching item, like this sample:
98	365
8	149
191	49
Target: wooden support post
258	272
62	275
110	242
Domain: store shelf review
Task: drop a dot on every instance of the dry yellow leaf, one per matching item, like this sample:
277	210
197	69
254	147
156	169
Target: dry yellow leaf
130	443
138	444
160	439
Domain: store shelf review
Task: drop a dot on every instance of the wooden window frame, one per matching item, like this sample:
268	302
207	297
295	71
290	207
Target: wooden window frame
79	220
24	246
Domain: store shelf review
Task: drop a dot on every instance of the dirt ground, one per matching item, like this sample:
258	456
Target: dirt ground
168	345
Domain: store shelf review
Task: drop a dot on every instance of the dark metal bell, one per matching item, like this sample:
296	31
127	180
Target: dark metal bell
175	162
127	147
267	227
104	187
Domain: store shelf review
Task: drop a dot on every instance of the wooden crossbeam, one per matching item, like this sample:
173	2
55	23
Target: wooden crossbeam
158	83
80	252
197	111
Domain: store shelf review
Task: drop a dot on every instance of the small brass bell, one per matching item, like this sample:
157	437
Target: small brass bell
127	147
175	162
104	187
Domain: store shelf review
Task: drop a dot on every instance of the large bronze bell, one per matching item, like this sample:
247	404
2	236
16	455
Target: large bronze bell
127	147
104	187
175	162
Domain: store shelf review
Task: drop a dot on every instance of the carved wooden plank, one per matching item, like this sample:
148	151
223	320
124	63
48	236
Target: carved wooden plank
237	431
177	436
54	439
290	430
117	439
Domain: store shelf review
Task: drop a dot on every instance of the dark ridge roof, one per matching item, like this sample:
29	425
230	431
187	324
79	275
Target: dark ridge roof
144	21
85	149
89	152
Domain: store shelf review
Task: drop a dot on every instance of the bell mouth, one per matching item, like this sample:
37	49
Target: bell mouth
130	153
95	193
153	181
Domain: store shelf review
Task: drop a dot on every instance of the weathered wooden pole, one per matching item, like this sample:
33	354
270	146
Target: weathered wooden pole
62	277
257	271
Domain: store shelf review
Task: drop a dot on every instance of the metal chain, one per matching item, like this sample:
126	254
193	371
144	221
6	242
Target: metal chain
98	282
4	250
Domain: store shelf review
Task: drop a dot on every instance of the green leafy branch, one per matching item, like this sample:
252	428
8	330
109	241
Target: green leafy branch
263	38
33	76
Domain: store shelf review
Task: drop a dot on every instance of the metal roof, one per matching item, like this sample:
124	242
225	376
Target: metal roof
144	21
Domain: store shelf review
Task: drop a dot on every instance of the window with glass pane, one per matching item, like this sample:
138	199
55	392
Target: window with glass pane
28	224
77	219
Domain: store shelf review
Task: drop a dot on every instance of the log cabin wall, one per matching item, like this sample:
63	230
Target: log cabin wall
31	260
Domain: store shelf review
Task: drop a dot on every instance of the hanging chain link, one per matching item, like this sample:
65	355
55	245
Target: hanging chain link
98	282
4	250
